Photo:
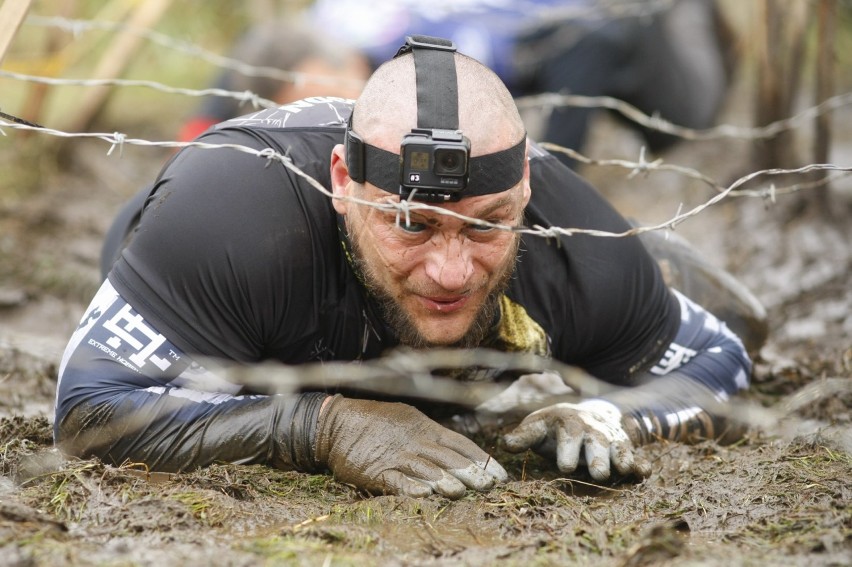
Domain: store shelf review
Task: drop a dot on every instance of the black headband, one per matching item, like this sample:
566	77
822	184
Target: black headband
437	86
437	114
489	173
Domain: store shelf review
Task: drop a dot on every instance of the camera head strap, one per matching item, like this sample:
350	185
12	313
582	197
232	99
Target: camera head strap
434	162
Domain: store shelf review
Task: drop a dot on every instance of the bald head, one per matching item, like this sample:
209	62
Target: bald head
387	107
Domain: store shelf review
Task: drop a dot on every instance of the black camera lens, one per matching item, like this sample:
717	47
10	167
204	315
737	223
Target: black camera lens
450	161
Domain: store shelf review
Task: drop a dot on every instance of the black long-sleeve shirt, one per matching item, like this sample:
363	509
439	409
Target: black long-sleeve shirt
241	259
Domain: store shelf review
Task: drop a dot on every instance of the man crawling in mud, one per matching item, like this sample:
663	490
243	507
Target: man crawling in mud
242	259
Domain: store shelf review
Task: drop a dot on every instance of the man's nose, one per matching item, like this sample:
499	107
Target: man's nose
450	264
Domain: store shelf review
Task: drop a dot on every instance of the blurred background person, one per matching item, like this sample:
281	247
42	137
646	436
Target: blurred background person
672	58
317	64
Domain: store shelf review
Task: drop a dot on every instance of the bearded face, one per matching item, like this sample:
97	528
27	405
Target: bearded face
436	278
479	312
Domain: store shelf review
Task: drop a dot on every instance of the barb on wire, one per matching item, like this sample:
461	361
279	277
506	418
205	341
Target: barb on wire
405	206
118	138
643	167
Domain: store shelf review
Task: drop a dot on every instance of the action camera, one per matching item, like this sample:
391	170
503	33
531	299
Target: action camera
435	164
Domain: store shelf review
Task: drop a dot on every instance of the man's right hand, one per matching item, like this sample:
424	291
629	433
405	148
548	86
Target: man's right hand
392	448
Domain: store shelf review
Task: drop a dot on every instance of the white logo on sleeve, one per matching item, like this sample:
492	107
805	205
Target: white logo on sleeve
675	357
130	329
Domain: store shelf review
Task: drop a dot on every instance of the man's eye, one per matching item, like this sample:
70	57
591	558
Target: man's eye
483	228
412	227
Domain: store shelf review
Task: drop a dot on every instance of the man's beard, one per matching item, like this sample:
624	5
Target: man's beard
401	322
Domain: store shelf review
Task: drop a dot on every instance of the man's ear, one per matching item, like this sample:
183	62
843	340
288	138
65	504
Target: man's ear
340	180
526	178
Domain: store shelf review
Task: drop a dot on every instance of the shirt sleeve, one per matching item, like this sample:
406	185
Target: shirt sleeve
126	393
234	257
685	395
602	301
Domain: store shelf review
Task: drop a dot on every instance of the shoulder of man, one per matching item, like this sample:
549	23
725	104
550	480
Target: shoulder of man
311	112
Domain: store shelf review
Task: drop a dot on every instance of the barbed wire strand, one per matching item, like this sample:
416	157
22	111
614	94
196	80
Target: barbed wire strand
117	139
545	100
408	373
655	122
243	96
644	167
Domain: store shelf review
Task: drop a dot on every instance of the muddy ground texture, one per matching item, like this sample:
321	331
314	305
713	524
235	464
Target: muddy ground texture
781	496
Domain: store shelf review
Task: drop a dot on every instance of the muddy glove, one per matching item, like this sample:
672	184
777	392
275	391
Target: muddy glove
529	390
392	448
593	426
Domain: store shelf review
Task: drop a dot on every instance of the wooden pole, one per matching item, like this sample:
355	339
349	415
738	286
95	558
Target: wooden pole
781	33
12	13
118	55
114	11
824	90
36	99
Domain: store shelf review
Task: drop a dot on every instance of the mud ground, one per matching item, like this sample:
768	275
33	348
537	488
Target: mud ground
781	496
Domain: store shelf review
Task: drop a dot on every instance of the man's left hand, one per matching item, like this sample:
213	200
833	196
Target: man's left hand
593	426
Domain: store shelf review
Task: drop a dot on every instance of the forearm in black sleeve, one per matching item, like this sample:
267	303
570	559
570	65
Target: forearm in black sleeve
125	392
170	431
